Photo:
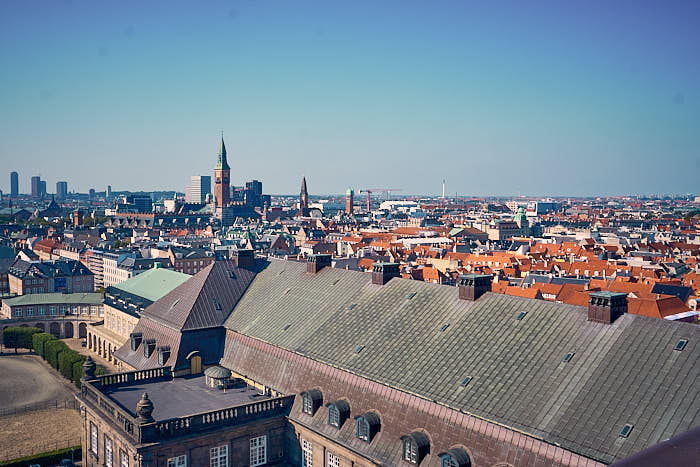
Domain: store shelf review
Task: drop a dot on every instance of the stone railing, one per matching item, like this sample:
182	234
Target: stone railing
128	378
174	427
110	409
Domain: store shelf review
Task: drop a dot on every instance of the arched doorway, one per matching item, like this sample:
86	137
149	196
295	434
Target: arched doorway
55	329
40	326
68	330
195	363
82	330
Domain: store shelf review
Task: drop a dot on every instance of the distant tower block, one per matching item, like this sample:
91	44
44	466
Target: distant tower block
349	200
443	188
222	178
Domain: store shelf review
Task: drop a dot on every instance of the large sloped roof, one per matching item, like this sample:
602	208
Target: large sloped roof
421	338
203	301
153	284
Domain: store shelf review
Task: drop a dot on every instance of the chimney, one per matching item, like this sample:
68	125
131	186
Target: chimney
315	263
473	286
605	307
384	272
243	258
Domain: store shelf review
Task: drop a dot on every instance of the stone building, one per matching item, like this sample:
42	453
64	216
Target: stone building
389	371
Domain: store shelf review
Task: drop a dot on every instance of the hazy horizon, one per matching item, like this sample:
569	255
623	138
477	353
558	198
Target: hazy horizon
499	99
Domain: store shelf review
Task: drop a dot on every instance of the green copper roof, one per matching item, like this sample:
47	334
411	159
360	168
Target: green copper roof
56	299
153	284
221	162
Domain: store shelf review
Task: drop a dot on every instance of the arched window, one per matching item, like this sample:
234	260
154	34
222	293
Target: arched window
368	425
311	401
416	446
338	412
456	456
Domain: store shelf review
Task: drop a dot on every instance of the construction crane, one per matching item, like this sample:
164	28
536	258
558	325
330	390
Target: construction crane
369	192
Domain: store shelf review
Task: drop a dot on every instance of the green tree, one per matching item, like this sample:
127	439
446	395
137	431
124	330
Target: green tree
39	340
19	337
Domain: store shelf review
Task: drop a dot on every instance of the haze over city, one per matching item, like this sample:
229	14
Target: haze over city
499	98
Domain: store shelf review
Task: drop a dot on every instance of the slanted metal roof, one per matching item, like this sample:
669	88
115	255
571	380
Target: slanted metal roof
625	372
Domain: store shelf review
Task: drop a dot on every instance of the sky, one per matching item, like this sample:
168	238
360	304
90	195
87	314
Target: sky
573	98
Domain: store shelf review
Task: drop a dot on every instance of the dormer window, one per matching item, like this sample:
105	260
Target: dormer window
416	446
149	347
311	401
456	456
367	426
338	412
163	354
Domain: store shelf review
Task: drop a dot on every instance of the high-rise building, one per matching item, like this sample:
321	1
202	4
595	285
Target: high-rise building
222	178
253	193
198	189
108	193
91	194
349	200
303	199
42	188
36	181
61	189
14	184
141	202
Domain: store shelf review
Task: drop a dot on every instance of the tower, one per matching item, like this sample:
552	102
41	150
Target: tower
303	199
349	200
222	178
14	184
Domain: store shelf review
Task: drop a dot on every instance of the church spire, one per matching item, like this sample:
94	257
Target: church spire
303	199
221	162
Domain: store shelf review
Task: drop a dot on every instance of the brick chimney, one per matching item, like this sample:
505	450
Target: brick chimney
606	307
473	286
315	263
384	272
243	258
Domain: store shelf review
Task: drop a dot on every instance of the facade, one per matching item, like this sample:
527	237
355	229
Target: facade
65	276
188	260
198	189
123	305
222	178
119	268
61	190
50	306
14	184
390	371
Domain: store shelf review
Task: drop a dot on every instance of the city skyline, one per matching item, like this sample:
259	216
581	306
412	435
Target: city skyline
507	99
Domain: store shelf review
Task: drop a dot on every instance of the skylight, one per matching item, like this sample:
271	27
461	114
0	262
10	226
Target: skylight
569	356
521	315
352	306
359	349
625	432
466	381
680	345
411	295
444	327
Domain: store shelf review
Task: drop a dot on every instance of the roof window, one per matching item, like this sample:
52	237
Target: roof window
569	356
680	345
625	432
466	381
352	306
521	315
359	349
411	295
444	327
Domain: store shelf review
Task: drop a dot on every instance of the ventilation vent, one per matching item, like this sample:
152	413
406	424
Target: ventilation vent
286	326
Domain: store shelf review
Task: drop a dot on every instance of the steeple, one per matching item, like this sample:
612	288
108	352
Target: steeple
303	187
303	199
221	162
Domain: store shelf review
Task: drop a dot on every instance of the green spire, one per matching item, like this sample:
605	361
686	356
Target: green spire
221	161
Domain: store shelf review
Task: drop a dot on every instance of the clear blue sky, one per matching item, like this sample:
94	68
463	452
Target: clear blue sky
537	97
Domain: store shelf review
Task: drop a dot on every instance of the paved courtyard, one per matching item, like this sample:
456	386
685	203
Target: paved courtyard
27	379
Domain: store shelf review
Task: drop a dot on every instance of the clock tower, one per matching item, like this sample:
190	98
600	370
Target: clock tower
222	178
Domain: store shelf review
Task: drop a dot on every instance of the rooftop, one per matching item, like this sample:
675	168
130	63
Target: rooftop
153	284
181	397
56	298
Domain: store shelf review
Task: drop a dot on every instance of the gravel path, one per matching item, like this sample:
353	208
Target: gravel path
27	379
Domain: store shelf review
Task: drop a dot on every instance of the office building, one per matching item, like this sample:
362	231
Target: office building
36	186
61	190
14	184
198	189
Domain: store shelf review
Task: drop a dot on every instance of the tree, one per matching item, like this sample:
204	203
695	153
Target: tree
39	341
19	337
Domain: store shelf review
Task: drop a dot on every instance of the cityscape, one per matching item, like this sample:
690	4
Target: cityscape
444	299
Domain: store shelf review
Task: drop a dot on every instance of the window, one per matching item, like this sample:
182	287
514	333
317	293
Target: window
333	460
680	345
410	451
123	458
308	404
258	451
444	327
363	429
521	315
40	311
352	306
179	461
359	349
333	416
466	380
108	452
93	438
18	312
625	432
30	311
307	451
411	295
448	461
569	356
218	456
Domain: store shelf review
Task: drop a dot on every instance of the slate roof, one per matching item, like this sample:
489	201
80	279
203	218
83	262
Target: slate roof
59	268
627	372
